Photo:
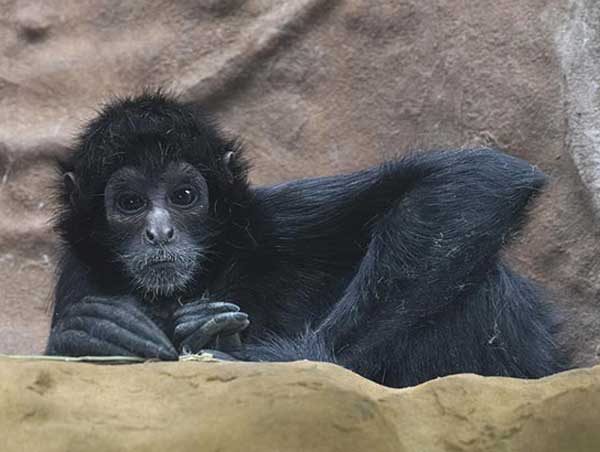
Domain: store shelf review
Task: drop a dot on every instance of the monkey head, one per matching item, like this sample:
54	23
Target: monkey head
147	190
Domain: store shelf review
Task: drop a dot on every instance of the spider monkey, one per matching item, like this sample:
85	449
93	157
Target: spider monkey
393	272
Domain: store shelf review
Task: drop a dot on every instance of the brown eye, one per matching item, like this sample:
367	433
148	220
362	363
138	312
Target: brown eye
183	197
130	202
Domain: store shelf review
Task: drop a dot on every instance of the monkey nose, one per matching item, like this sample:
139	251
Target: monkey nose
159	228
160	235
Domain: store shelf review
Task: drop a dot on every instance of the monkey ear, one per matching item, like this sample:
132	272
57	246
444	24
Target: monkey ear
71	186
228	160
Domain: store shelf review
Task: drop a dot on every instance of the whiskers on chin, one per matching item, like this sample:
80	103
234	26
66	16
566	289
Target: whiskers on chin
164	272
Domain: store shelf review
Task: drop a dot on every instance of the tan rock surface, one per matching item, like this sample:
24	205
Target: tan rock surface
314	87
303	406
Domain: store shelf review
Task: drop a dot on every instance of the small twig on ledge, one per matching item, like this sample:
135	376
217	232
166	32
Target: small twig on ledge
204	357
109	359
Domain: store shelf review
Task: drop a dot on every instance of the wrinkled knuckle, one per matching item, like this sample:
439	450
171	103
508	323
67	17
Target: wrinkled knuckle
178	331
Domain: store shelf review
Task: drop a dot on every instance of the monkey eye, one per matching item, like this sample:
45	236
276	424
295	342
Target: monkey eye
183	197
130	202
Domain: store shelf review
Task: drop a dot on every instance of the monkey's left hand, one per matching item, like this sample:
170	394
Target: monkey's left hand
199	322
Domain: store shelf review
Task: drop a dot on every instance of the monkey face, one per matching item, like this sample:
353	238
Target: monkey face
158	225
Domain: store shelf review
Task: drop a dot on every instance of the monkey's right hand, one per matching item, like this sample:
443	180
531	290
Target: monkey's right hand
108	326
201	322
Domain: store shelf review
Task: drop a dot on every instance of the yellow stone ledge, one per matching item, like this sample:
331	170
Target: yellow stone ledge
303	406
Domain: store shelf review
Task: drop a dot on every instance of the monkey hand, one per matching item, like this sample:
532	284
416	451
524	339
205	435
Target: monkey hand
199	322
109	326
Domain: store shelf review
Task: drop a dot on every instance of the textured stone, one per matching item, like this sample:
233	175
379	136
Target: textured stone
314	87
578	43
301	406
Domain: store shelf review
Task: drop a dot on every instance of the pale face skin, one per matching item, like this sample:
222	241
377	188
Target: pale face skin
151	217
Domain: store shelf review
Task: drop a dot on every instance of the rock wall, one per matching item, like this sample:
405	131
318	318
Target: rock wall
314	87
303	406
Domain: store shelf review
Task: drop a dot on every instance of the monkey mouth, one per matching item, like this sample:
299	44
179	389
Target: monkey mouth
160	266
163	268
161	262
164	258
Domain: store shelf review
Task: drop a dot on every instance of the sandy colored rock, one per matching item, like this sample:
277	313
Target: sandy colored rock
302	406
314	87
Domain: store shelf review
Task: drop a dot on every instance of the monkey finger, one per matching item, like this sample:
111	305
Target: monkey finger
203	307
80	343
125	316
226	323
189	323
110	332
118	305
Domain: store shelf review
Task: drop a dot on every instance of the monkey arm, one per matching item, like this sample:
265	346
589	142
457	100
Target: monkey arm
471	197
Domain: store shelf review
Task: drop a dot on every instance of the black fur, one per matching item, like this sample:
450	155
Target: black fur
393	272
